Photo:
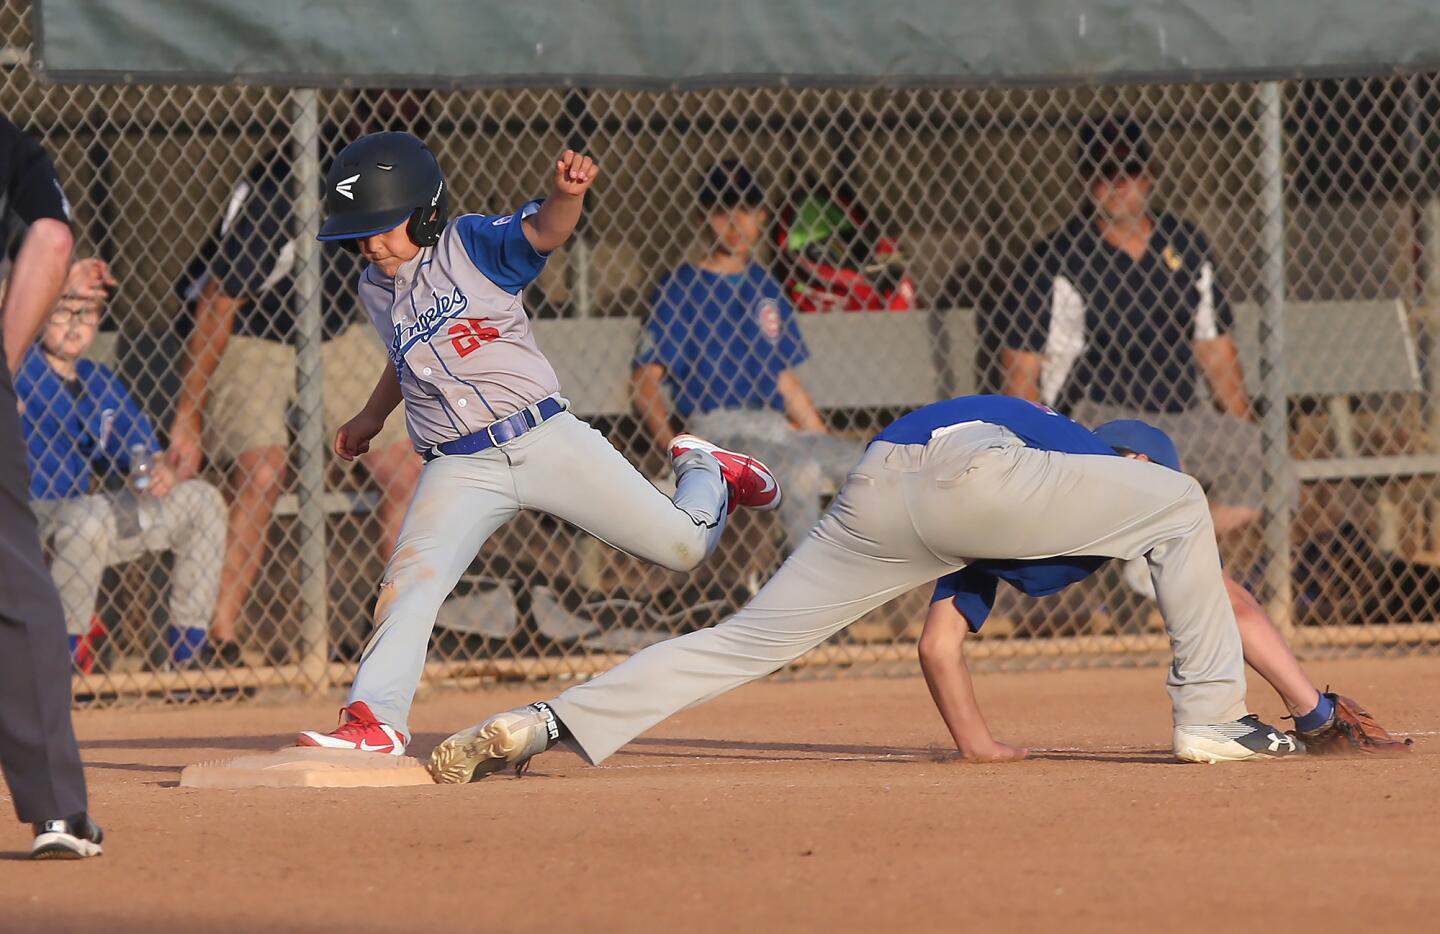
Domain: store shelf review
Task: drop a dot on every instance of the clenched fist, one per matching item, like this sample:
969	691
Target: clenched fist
575	173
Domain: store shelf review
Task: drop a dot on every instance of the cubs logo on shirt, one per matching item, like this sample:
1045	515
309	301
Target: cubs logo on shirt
768	313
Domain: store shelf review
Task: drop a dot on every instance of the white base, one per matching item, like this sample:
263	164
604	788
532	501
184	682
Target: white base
307	767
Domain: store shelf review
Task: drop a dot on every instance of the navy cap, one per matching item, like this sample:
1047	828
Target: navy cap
1134	436
1110	147
730	184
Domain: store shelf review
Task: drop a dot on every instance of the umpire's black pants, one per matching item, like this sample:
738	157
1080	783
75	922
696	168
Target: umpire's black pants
38	753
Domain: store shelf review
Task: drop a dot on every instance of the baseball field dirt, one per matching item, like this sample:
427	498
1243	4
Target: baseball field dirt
815	805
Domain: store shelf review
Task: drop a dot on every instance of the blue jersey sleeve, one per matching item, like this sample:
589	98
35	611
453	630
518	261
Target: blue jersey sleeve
973	592
130	426
499	248
663	339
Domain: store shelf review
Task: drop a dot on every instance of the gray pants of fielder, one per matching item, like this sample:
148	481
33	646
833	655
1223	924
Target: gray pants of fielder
908	514
564	468
38	753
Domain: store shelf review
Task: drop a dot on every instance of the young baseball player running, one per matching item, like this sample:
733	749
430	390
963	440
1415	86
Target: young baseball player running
970	491
483	407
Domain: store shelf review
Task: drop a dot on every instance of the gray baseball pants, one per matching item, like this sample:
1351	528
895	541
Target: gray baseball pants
38	753
564	468
908	514
189	521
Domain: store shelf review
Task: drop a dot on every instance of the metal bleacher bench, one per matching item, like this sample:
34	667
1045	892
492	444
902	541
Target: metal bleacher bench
1334	350
856	360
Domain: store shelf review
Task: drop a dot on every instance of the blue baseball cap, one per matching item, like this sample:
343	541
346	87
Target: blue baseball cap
730	185
1135	436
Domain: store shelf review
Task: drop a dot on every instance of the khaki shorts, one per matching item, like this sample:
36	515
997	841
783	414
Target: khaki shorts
253	390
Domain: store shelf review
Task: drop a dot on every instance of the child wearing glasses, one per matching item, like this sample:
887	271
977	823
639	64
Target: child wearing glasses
101	495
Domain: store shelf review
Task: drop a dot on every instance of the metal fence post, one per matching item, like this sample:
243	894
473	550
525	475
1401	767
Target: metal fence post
1275	469
310	432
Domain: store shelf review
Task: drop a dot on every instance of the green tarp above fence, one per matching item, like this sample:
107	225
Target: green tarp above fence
690	43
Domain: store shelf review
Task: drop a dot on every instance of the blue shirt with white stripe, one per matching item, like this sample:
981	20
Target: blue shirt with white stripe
1114	329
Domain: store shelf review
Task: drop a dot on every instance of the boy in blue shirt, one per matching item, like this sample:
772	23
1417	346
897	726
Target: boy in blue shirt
722	339
969	491
80	425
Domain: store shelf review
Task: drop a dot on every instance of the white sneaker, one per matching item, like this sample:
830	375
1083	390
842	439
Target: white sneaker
1236	741
509	738
75	838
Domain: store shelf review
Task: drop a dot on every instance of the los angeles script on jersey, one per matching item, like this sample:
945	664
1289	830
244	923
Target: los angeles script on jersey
465	336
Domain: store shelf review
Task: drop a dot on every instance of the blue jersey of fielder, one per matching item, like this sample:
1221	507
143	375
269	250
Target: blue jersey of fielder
972	588
456	329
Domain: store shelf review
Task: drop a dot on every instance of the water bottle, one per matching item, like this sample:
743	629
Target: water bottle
125	505
142	467
134	506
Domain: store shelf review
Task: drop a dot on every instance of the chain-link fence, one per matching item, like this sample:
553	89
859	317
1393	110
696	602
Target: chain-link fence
1255	267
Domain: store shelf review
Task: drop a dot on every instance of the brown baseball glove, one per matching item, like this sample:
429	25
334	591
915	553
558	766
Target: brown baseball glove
1351	731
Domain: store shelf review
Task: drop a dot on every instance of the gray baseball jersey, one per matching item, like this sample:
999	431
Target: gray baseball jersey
456	328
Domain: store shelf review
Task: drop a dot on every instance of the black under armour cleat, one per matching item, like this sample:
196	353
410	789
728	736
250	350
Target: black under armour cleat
1236	741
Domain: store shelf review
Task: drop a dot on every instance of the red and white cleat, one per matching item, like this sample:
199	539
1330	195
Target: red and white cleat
358	730
751	483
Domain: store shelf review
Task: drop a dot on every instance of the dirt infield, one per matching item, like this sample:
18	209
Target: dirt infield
784	806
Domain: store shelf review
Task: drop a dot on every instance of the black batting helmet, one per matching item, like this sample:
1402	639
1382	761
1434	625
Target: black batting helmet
381	181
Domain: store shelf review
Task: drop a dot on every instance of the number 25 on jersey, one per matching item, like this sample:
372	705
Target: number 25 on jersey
466	336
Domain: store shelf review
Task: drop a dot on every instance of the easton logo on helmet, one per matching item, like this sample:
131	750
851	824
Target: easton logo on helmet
403	185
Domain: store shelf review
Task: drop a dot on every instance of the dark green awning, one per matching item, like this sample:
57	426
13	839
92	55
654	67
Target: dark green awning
694	43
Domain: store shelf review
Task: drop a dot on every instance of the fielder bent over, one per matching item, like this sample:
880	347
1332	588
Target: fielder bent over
969	491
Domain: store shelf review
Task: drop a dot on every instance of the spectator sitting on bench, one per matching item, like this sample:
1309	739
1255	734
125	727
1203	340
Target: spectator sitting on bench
81	426
239	373
723	339
1118	313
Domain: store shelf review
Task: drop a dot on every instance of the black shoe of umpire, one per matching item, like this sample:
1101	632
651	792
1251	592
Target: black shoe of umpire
71	838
